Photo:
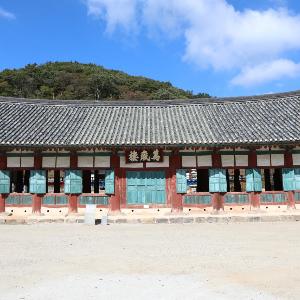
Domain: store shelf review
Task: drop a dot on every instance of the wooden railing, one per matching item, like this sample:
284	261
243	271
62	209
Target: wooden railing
93	199
270	197
297	196
193	199
59	199
55	199
236	198
197	199
274	197
24	199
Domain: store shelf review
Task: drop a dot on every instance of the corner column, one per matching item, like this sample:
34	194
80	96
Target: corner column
115	199
175	199
3	166
73	206
37	198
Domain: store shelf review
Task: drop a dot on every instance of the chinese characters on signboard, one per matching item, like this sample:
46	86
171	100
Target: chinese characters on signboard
137	156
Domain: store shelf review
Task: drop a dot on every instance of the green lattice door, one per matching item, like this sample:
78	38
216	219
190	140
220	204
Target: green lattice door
146	187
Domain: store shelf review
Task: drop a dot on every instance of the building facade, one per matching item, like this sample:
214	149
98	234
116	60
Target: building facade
206	154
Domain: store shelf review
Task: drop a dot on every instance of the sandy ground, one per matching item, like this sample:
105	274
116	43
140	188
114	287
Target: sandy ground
191	261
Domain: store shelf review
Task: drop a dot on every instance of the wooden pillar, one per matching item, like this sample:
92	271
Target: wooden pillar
175	199
288	159
115	199
73	160
37	198
217	198
2	203
216	159
3	166
252	159
73	206
291	199
36	203
252	163
218	201
288	163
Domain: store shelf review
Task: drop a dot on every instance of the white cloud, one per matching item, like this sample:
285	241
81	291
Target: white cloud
116	13
6	14
216	35
270	71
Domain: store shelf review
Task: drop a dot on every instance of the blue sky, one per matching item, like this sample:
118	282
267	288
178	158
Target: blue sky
224	48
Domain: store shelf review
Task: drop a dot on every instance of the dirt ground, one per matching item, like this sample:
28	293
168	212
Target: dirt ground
191	261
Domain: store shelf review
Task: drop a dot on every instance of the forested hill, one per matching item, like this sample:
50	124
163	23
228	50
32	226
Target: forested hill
72	80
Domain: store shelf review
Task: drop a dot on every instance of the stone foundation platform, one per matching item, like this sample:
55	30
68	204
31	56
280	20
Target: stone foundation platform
179	218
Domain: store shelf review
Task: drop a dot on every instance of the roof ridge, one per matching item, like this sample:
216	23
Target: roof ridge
153	103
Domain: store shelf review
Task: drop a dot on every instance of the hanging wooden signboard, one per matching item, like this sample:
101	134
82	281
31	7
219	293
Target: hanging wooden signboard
144	155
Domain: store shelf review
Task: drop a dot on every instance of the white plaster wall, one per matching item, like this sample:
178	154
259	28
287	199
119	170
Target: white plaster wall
55	211
241	160
163	164
263	160
296	159
48	162
227	160
102	161
56	162
133	165
27	162
63	162
204	160
277	159
19	211
13	162
85	161
189	161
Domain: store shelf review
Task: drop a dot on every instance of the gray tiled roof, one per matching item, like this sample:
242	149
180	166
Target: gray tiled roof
266	119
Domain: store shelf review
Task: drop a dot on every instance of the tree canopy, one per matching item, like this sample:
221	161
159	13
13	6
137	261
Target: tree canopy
73	80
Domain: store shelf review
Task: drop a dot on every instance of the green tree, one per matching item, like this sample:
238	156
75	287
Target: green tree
73	80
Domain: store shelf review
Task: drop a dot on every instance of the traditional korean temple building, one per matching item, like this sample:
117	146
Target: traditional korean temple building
206	154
